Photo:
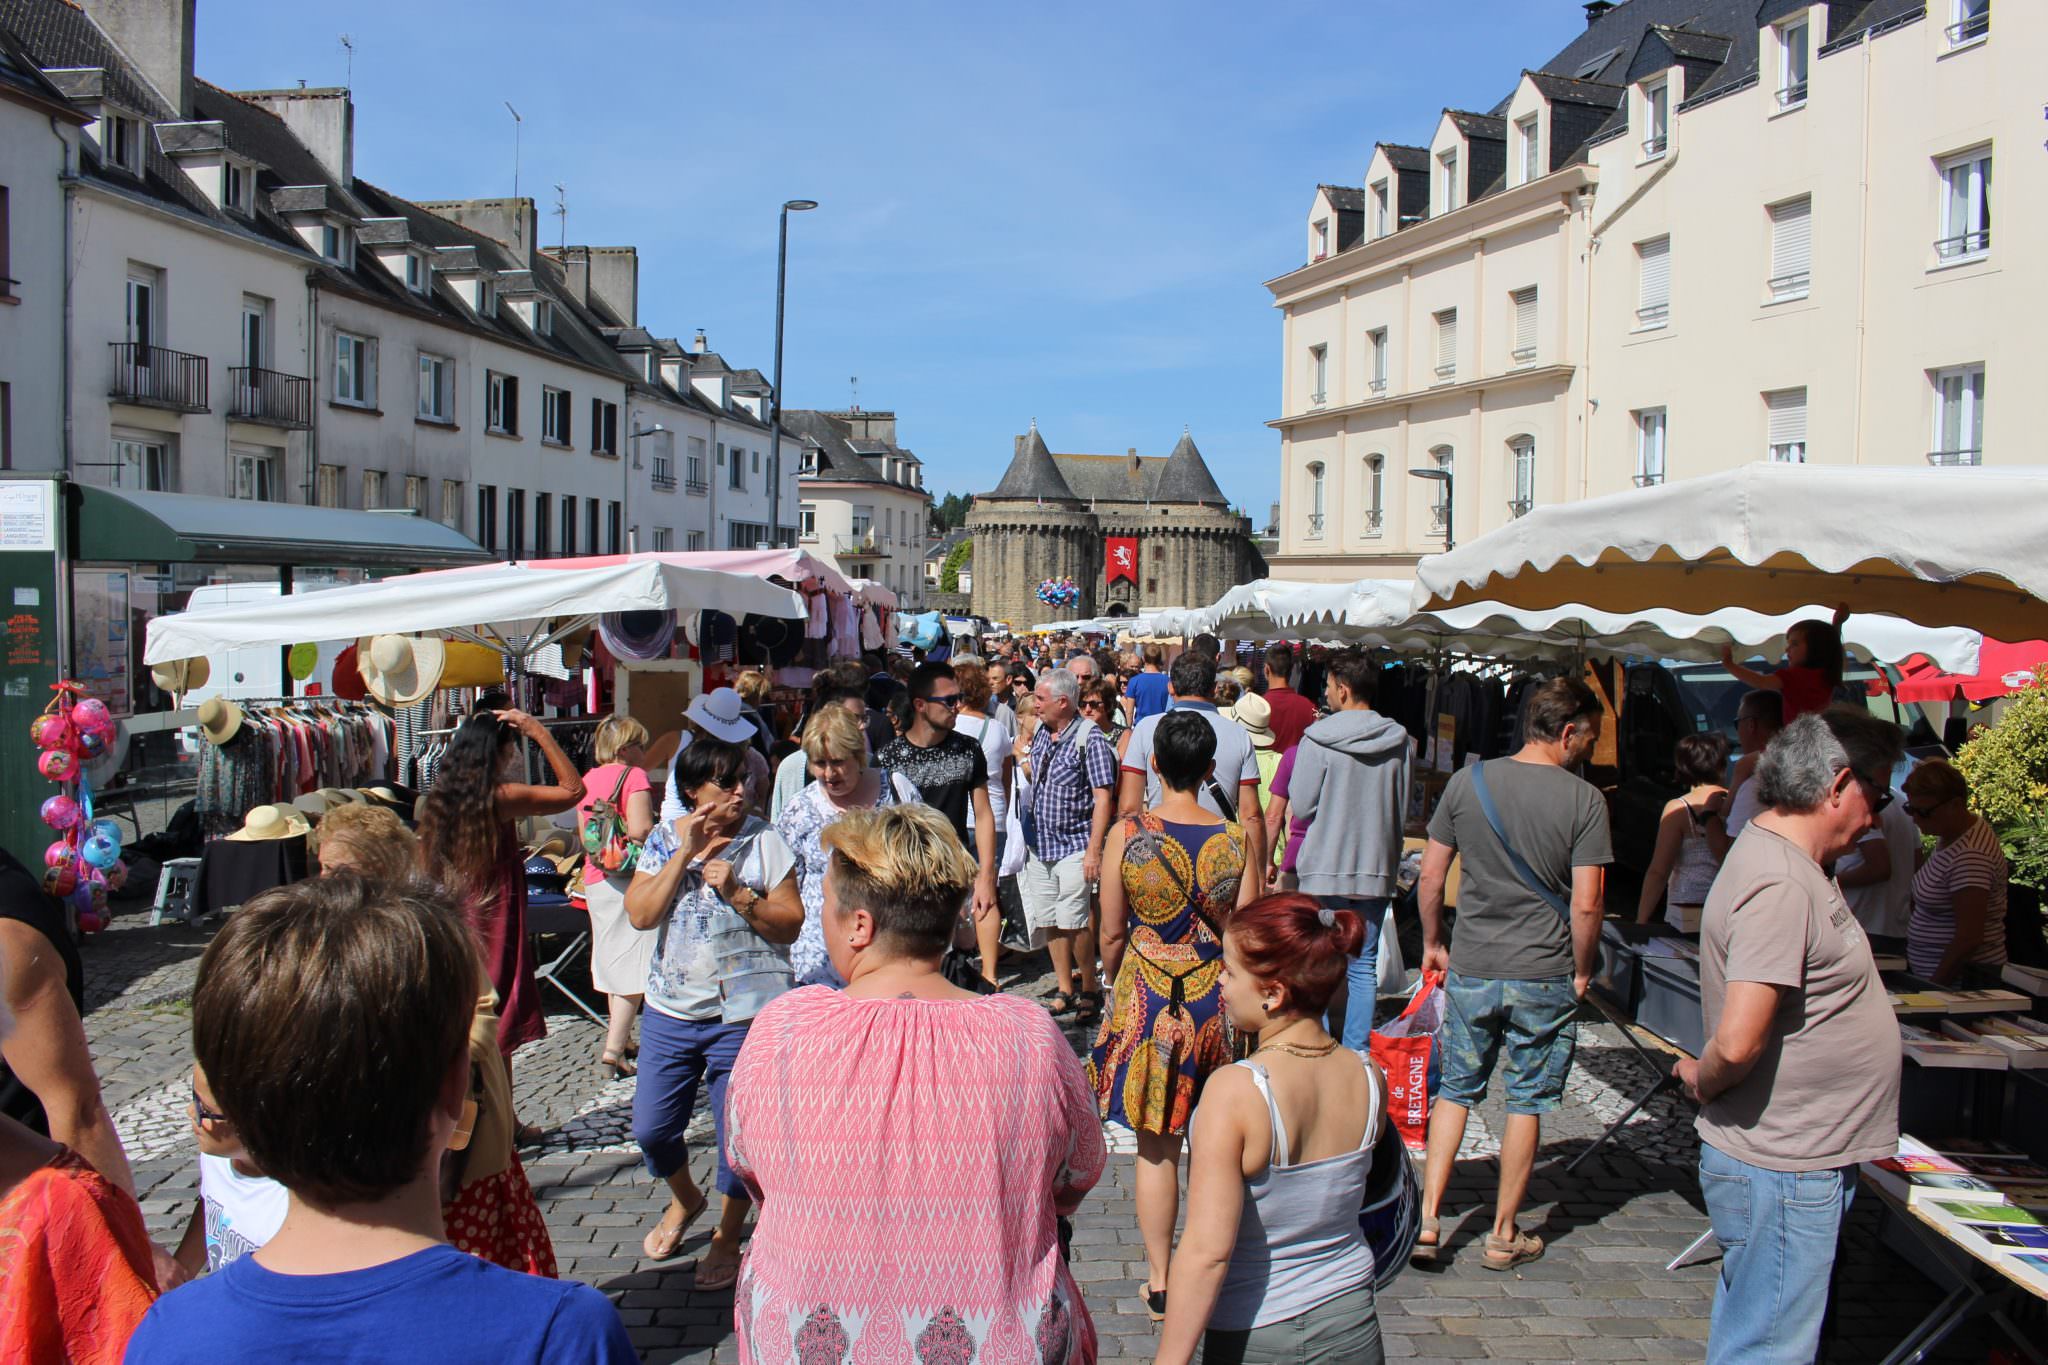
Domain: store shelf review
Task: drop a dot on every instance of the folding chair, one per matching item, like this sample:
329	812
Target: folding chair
565	921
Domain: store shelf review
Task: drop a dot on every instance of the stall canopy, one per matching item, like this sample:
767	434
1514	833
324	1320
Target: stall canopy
2001	668
519	608
792	566
1940	547
123	525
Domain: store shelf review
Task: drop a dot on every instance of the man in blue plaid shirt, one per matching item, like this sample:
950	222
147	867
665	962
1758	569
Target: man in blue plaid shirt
1073	771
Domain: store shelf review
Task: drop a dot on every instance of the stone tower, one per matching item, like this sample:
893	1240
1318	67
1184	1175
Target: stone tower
1051	515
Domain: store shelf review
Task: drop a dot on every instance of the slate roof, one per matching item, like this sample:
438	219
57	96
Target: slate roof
1186	477
839	455
1405	158
1344	198
1032	473
1037	474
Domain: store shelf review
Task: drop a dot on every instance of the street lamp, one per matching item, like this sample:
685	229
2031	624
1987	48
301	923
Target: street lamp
789	206
1442	476
625	483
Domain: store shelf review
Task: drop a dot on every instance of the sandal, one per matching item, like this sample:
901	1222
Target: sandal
1506	1255
1155	1300
618	1065
721	1276
1088	1007
1424	1253
658	1247
1061	1002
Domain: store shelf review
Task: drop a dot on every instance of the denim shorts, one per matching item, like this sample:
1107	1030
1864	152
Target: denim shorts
1532	1018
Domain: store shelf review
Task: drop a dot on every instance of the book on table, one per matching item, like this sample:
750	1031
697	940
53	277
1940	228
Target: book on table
1958	1002
2010	1238
1934	1049
2033	980
1959	1169
2024	1041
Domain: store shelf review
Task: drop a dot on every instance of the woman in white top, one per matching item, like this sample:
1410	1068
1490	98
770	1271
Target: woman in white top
995	737
1683	867
1272	1263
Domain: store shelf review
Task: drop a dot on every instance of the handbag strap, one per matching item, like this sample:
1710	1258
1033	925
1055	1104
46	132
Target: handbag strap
1515	859
625	771
1227	808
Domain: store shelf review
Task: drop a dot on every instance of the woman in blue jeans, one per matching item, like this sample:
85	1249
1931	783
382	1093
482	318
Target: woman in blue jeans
719	887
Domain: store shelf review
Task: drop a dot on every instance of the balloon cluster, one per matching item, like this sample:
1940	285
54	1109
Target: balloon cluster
84	863
1059	592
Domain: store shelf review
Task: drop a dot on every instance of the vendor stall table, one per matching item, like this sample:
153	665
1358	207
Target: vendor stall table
1983	1288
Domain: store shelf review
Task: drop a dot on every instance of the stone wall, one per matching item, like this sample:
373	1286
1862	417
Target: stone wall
1187	557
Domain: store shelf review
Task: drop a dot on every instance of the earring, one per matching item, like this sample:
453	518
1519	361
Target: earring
1266	1005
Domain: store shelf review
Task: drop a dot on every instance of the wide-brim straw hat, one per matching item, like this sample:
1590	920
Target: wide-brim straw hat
181	675
219	719
400	670
271	822
1255	714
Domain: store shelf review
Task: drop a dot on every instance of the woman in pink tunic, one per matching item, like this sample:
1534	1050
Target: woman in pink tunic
911	1146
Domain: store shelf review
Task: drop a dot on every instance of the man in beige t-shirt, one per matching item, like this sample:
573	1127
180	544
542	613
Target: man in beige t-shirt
1799	1080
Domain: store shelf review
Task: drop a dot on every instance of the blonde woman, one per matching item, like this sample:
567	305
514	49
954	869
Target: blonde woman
368	840
619	953
835	746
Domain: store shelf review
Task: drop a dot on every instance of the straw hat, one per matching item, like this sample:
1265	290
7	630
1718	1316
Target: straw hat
219	719
400	669
1255	714
271	822
181	675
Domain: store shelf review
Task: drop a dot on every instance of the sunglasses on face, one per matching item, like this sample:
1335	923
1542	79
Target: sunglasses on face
951	703
1878	796
1093	704
1919	812
201	1110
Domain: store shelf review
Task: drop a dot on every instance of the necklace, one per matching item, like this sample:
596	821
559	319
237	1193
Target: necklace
1299	1049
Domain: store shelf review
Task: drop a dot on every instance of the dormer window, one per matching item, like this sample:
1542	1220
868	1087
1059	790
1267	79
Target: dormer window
1792	62
486	299
418	273
1322	238
1528	142
121	140
334	243
543	317
1382	210
1656	119
235	184
1447	170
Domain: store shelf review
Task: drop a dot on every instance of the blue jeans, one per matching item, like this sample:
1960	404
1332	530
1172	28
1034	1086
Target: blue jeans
1529	1021
1777	1231
676	1055
1362	976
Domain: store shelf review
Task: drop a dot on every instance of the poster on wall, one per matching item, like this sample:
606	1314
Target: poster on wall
1121	561
100	616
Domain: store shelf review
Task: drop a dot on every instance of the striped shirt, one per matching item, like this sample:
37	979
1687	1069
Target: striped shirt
1064	777
1973	861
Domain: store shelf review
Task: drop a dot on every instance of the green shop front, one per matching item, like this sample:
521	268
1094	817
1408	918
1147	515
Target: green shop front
84	569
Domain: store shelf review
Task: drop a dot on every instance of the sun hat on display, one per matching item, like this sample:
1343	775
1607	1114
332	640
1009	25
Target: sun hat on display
271	822
181	675
347	680
219	719
303	658
721	714
639	635
401	669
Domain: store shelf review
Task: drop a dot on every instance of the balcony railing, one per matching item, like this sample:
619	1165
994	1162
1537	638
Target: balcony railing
696	486
665	482
1654	146
1964	245
1519	507
1446	373
1968	30
1318	398
1649	478
1522	355
158	378
1956	457
1439	516
1791	95
1315	526
1656	315
1792	286
860	545
1375	521
1377	386
270	397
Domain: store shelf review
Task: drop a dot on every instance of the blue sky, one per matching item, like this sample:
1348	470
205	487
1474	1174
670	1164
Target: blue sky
1049	211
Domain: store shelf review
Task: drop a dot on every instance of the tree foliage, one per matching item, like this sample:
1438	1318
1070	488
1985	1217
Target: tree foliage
949	571
2007	766
950	512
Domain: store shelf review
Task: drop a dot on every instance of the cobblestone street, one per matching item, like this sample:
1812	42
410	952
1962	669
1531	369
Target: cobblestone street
1600	1293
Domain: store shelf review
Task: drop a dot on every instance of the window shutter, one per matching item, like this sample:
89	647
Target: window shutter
1525	323
1788	417
1792	240
1447	339
1656	275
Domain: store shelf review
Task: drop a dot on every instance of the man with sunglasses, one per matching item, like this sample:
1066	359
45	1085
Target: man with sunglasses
1799	1080
950	770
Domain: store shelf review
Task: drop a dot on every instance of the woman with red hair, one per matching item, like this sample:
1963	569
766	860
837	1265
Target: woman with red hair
1273	1257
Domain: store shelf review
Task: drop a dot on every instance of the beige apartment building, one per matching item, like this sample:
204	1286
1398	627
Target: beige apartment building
1706	232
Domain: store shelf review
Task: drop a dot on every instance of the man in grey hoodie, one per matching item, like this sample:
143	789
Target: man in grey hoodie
1350	785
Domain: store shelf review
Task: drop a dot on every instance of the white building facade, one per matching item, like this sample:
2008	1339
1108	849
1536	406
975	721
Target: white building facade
863	503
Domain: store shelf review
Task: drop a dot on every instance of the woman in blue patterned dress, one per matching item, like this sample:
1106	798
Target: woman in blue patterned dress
1181	874
835	747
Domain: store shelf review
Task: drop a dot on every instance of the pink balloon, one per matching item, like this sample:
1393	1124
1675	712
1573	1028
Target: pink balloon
58	881
60	854
53	731
60	812
59	765
91	714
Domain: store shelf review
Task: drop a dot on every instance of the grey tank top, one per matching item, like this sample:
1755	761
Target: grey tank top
1299	1244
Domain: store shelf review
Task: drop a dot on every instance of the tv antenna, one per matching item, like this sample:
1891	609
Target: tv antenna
348	45
562	211
855	381
516	124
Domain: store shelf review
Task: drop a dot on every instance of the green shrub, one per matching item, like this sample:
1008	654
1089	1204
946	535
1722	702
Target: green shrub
949	572
2007	766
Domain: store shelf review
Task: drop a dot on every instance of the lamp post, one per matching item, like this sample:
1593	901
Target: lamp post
775	407
1443	476
625	481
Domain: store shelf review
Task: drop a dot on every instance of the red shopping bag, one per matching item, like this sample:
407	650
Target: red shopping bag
1405	1051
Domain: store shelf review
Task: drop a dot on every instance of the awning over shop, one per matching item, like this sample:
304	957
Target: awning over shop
119	525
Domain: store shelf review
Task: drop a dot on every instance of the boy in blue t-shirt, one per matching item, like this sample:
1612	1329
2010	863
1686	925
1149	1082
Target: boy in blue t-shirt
331	1019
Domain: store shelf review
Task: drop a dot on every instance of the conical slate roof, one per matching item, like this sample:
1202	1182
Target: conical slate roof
1032	473
1186	477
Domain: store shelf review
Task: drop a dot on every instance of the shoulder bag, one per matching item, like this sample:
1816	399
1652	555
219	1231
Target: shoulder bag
604	833
1515	859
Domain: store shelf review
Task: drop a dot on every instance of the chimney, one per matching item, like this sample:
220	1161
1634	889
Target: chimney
1596	10
511	223
615	281
698	344
575	263
324	120
1136	463
156	35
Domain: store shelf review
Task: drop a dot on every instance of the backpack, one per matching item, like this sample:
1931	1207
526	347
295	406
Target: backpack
604	834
